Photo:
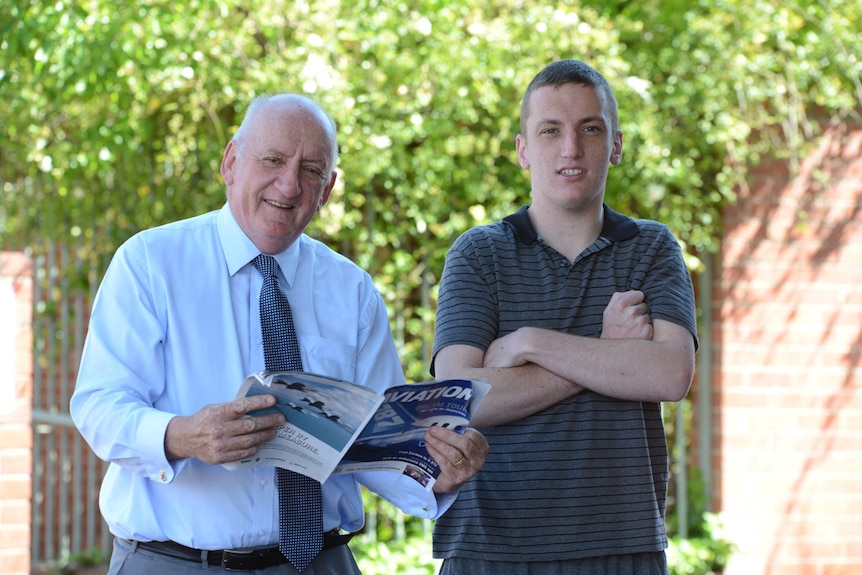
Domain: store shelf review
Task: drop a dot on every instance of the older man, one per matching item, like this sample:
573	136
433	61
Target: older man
175	328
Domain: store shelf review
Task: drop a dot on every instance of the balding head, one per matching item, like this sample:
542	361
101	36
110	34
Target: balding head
264	107
279	169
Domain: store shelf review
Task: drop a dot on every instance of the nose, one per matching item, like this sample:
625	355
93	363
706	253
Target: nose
287	182
571	145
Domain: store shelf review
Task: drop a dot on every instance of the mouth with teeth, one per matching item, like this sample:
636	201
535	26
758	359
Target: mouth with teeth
571	172
277	204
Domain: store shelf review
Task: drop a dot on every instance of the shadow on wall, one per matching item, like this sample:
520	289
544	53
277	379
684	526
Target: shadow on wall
787	304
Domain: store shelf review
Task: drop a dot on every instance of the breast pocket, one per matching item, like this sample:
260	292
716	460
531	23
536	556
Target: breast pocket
328	357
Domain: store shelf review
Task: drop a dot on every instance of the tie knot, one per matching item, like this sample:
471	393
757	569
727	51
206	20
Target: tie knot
266	265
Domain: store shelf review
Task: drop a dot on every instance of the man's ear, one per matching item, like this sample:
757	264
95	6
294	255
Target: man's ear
521	147
227	163
617	150
328	190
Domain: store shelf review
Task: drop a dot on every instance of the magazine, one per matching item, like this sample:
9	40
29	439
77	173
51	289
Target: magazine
334	426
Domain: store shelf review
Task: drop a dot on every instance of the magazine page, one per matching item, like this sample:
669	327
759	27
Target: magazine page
323	417
393	439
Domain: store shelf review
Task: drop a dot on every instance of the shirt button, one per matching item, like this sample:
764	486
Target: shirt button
162	476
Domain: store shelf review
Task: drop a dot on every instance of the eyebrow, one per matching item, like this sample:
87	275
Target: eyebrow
587	120
280	154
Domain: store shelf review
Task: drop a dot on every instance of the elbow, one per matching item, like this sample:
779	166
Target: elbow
678	366
678	393
679	383
76	407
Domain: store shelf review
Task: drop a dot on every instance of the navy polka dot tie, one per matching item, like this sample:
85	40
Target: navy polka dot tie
300	511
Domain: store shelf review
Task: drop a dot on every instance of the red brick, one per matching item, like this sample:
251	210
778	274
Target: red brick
14	536
15	436
15	432
15	487
15	563
16	461
14	512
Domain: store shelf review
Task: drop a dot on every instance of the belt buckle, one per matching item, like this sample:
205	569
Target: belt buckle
250	559
240	559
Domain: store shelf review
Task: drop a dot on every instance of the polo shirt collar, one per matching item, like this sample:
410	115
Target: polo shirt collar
615	227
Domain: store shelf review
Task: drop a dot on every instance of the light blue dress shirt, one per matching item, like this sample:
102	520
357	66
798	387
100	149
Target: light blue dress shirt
176	326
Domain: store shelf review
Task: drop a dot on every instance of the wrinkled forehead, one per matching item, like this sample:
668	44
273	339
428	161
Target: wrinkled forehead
290	126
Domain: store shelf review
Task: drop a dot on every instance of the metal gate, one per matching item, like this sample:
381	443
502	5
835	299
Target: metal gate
66	473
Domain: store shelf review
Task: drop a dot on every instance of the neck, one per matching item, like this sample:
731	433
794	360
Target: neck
569	233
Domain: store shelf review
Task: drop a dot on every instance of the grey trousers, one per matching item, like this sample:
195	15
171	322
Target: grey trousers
128	559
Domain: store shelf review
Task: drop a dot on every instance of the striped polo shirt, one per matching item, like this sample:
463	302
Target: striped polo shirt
586	477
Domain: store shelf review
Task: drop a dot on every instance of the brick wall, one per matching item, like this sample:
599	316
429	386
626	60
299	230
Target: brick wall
16	437
787	365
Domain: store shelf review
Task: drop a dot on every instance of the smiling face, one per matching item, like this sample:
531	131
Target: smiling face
568	145
279	172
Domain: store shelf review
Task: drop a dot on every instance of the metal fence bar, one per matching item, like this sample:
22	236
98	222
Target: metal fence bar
81	508
42	506
60	323
68	500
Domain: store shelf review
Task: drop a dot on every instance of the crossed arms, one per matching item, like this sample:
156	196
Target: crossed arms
530	369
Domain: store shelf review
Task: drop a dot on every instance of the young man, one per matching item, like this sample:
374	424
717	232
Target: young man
576	478
176	327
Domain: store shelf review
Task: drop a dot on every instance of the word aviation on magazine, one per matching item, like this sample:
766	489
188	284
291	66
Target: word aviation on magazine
335	426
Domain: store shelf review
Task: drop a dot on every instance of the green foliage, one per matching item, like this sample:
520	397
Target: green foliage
705	548
117	113
410	556
704	552
84	560
392	542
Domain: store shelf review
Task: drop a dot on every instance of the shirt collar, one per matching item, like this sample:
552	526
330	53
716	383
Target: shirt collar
239	250
615	227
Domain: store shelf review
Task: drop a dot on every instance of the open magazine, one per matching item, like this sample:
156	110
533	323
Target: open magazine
334	426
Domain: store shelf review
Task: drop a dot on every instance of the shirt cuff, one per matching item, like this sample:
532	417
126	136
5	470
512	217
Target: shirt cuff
151	441
407	494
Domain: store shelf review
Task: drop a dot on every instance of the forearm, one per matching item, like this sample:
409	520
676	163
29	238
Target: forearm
516	392
632	369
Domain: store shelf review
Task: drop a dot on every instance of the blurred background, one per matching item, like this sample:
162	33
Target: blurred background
742	131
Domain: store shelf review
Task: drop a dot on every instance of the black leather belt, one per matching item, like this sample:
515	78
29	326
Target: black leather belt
235	559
